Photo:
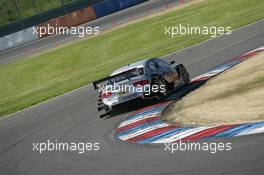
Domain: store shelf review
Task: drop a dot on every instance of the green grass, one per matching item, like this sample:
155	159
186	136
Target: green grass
26	8
32	80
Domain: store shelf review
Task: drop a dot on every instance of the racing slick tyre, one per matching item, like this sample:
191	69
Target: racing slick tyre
184	75
163	90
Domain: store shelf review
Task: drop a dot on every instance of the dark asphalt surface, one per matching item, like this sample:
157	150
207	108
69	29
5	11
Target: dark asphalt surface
104	23
73	118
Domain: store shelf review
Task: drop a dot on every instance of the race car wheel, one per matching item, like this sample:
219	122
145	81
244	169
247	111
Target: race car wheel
184	75
162	87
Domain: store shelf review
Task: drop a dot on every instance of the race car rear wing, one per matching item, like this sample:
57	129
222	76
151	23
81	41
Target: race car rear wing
102	82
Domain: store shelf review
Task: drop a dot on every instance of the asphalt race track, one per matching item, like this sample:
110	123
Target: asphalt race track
73	118
104	23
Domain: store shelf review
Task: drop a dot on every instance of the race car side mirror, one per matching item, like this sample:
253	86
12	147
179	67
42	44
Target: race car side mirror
172	62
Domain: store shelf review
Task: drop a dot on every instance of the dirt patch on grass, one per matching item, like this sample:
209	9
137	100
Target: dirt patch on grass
235	96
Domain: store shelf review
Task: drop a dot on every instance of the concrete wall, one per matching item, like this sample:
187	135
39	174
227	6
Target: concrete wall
17	38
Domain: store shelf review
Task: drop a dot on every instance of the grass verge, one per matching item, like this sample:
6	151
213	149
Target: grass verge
236	96
35	79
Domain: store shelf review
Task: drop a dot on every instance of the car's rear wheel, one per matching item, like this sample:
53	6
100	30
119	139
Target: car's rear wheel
162	90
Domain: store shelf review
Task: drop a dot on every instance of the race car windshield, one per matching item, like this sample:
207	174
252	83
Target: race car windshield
127	75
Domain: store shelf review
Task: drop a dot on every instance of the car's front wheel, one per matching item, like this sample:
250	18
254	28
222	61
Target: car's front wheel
184	75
